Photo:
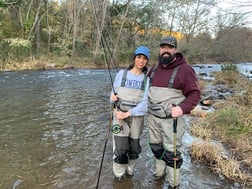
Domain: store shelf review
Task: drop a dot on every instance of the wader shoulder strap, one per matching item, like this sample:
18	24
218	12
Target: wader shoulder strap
171	82
152	73
144	83
174	73
124	78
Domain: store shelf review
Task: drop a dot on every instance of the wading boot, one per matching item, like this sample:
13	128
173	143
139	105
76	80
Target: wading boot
173	182
130	166
173	187
119	169
160	167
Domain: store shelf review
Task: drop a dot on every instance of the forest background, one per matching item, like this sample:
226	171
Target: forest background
49	34
39	34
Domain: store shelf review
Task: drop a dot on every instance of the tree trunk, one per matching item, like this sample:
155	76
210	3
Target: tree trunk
75	22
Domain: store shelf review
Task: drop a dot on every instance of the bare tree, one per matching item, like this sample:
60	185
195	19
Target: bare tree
121	28
235	14
194	17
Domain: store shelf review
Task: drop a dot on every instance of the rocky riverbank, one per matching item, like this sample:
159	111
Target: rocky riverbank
223	126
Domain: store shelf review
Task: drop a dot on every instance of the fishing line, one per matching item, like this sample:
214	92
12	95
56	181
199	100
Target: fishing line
108	65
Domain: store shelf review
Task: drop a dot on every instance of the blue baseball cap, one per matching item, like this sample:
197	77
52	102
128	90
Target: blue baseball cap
142	50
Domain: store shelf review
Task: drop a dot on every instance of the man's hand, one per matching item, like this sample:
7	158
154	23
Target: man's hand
176	111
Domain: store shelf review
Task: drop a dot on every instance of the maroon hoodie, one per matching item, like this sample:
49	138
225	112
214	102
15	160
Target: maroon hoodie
185	80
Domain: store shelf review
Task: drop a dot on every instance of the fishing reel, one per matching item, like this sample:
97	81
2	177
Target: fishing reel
116	128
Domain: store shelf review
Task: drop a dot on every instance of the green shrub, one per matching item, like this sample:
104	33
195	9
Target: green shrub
229	67
232	122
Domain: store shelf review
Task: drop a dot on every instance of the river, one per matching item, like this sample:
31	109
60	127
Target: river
53	127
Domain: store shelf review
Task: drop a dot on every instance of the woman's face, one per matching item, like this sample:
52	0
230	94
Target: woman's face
140	61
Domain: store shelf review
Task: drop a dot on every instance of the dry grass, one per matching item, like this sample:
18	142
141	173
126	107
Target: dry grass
212	154
202	84
206	152
52	63
202	132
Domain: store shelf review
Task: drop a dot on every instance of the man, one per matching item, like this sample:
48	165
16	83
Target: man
174	91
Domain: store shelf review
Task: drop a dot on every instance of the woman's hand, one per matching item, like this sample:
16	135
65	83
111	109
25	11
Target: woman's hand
114	97
121	115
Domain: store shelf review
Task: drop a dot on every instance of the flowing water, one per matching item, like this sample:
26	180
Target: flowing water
53	128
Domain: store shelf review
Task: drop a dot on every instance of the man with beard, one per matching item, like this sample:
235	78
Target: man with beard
174	91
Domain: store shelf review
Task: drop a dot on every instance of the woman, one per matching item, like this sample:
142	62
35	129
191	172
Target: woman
130	96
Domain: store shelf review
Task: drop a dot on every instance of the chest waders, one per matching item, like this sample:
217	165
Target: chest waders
124	104
163	128
126	145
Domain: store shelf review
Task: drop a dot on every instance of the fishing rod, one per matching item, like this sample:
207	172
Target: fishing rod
109	64
109	123
109	67
104	149
116	128
111	112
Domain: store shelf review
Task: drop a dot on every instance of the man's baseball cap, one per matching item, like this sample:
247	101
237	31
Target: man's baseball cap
168	40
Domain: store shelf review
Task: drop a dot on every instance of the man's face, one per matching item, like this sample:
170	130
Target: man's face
167	50
166	54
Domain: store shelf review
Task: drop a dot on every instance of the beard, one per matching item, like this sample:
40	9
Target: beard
165	60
